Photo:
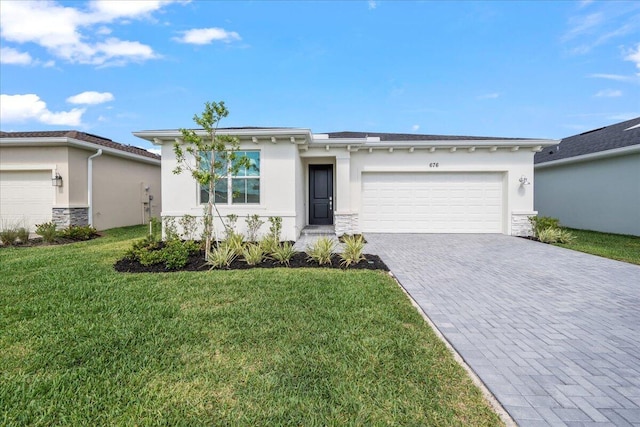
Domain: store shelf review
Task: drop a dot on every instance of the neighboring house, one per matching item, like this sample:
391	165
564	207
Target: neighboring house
366	182
591	181
75	178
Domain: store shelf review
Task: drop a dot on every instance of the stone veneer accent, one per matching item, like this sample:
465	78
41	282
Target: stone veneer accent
345	223
65	217
520	225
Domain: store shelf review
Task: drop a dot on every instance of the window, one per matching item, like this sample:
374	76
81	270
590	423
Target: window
244	186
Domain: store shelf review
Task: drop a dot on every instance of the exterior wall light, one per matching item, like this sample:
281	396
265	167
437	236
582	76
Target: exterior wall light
524	180
56	181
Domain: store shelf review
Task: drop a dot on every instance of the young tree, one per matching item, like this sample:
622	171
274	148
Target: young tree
215	158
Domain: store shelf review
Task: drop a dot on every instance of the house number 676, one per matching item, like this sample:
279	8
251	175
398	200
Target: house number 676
434	165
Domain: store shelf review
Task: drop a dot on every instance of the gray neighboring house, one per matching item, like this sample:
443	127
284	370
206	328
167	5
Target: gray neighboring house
591	181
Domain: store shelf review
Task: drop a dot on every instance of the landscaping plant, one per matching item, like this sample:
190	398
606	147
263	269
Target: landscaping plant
23	235
253	254
189	225
236	242
78	232
170	228
275	229
321	250
209	157
230	226
253	227
539	223
8	236
48	231
269	244
283	253
352	253
222	256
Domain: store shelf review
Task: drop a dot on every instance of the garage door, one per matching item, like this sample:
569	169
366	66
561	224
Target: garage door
26	197
432	202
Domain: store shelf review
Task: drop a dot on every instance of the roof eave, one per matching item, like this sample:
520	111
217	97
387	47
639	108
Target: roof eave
616	152
159	137
65	141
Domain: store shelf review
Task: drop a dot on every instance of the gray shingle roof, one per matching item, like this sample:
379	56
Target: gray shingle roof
413	136
82	136
593	141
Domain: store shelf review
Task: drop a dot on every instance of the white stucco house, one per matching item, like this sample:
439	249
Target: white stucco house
366	182
591	181
75	178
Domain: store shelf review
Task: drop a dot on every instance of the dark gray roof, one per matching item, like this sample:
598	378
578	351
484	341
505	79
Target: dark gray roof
82	136
412	136
593	141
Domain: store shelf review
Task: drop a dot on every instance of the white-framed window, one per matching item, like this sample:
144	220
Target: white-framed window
240	189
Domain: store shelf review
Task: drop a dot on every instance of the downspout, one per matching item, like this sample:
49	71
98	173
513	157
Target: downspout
90	184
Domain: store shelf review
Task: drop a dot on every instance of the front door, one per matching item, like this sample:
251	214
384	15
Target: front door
320	194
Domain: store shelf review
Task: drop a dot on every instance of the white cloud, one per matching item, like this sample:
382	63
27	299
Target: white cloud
493	95
415	127
372	4
9	55
621	117
202	36
76	35
609	93
22	108
91	98
579	25
616	77
157	151
634	56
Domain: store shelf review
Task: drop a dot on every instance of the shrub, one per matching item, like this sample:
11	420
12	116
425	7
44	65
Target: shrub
23	235
221	257
539	223
321	250
283	253
353	247
174	254
9	235
230	226
253	254
170	229
78	232
275	230
47	231
189	224
253	226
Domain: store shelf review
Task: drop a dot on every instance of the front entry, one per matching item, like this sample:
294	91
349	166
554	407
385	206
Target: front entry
320	194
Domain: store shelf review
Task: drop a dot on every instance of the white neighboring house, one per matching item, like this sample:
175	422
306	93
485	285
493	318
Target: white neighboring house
591	181
75	178
366	182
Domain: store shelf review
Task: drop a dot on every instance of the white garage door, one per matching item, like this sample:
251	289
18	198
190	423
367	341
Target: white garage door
26	198
432	202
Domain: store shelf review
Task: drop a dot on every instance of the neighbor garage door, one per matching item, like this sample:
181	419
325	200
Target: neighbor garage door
432	202
26	197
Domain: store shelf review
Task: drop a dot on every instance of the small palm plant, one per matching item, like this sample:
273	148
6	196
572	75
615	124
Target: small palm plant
321	251
353	247
283	253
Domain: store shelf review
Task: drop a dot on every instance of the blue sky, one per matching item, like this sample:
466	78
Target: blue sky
522	69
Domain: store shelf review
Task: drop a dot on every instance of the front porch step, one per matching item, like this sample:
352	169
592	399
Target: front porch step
318	230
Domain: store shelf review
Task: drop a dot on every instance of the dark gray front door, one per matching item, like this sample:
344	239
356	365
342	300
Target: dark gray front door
320	194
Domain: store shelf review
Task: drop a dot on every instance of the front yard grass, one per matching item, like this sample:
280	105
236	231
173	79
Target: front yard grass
81	344
614	246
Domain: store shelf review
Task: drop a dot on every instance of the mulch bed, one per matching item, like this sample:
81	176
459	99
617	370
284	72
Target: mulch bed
37	241
299	260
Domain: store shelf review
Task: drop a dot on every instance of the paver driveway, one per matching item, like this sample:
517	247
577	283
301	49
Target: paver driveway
553	333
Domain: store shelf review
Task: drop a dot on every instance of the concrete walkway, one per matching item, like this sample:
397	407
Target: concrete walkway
553	333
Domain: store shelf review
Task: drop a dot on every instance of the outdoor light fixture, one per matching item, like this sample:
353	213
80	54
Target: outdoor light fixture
524	181
56	181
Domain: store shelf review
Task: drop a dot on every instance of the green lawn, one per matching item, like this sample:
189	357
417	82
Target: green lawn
615	246
83	345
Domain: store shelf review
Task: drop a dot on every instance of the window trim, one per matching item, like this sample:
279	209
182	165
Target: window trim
229	178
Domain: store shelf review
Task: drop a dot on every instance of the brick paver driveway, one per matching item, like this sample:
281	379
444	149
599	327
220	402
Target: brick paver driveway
553	333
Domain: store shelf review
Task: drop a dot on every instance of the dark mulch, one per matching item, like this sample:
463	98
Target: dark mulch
37	241
300	260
